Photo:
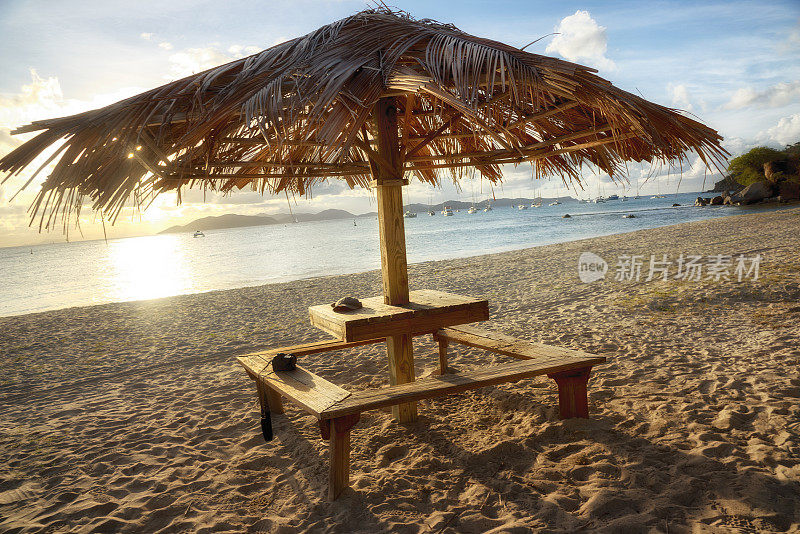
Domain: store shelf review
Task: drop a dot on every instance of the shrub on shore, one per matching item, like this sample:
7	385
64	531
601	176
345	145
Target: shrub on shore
764	163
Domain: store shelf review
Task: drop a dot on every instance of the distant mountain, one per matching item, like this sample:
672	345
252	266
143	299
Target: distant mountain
223	221
324	215
237	221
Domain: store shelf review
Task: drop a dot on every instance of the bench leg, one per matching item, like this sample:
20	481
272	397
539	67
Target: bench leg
268	397
573	398
442	355
339	438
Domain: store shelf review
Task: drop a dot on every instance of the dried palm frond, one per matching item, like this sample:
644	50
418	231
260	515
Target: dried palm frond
300	113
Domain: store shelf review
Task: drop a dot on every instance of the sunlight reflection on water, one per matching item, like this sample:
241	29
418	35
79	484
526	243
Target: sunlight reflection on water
146	268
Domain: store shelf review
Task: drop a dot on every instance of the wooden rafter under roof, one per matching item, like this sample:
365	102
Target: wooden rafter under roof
300	112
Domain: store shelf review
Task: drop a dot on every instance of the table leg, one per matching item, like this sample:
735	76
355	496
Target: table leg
401	371
443	343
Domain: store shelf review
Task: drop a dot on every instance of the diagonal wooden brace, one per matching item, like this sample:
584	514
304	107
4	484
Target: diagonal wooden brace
573	398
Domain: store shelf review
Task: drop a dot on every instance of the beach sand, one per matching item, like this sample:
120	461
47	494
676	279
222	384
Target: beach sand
135	417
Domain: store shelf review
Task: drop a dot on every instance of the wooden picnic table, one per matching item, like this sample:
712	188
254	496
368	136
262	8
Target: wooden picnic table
444	316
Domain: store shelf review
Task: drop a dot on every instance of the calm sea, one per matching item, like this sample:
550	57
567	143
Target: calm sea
93	272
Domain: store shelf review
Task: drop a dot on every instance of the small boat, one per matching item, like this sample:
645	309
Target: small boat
447	212
410	215
199	233
613	197
431	213
629	216
599	200
488	207
472	209
354	222
555	203
522	207
624	199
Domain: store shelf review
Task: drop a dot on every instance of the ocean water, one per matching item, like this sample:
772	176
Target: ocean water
54	276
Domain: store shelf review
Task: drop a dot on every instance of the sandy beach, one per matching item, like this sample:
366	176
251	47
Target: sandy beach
135	417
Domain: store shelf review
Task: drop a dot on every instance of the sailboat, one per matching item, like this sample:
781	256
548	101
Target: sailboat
538	202
658	195
472	208
556	202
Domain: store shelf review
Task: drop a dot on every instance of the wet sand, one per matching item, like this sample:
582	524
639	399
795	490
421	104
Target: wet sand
135	417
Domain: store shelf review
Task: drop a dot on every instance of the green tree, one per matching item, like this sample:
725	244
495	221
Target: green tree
749	167
793	150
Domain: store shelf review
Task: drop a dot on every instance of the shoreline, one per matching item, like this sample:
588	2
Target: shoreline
135	417
777	208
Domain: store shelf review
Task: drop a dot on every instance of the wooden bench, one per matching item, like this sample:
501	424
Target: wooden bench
338	409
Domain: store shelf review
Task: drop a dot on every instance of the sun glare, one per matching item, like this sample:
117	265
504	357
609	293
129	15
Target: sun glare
148	267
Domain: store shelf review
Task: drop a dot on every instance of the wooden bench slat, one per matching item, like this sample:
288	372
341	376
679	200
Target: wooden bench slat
510	346
313	393
450	383
315	347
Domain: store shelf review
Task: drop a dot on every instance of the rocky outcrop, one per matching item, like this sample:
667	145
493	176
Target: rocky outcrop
755	192
789	191
725	185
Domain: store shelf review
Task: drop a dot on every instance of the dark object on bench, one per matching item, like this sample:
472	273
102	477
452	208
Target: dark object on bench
284	362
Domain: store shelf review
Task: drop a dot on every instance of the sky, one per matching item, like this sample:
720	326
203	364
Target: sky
732	64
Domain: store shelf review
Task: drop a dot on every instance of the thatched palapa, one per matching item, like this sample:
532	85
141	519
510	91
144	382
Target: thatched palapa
300	112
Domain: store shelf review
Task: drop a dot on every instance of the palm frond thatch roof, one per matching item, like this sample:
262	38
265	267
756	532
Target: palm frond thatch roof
300	113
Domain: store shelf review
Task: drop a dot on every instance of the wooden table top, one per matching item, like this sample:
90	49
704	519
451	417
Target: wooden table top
427	311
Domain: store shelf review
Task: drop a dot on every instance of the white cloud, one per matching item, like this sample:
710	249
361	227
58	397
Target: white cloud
193	60
165	45
581	39
681	98
787	131
39	99
241	51
146	36
773	96
793	41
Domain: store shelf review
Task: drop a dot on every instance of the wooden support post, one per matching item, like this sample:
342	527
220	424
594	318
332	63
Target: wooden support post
339	439
391	226
268	397
442	354
573	400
